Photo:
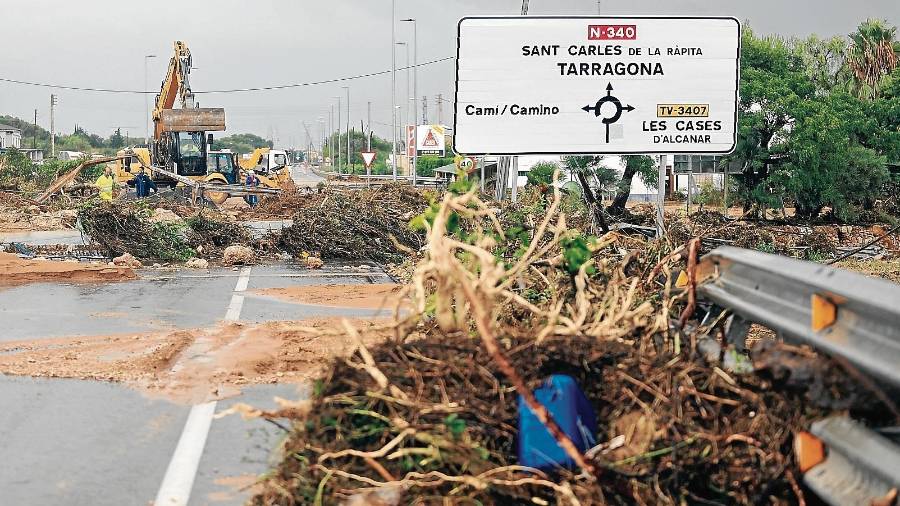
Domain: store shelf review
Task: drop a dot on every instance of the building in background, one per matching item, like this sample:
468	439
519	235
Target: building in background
10	137
702	168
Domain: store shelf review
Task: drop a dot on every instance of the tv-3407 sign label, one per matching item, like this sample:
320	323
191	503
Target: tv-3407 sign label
572	85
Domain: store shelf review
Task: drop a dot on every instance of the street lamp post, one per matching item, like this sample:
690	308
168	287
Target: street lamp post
405	130
330	135
415	97
393	90
338	134
396	113
146	100
349	165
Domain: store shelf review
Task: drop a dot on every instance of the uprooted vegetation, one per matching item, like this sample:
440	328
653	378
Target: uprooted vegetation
430	417
160	234
356	224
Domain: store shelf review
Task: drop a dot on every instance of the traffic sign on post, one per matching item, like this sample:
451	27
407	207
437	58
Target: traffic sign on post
368	157
596	85
465	163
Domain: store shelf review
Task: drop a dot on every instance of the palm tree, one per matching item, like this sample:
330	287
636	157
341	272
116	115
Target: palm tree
872	55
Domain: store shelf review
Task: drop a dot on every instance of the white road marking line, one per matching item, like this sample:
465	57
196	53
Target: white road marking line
178	481
234	309
243	280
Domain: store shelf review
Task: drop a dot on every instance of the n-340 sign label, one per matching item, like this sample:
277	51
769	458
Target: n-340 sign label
573	85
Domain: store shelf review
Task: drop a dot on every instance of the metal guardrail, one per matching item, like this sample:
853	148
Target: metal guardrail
383	178
861	467
836	311
841	313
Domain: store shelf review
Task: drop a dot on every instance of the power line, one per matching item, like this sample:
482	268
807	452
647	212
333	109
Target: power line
235	90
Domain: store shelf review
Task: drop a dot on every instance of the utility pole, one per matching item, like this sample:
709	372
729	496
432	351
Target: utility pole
440	109
349	166
393	90
53	103
424	110
34	132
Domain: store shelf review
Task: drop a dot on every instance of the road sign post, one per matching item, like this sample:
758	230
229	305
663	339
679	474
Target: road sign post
368	157
597	85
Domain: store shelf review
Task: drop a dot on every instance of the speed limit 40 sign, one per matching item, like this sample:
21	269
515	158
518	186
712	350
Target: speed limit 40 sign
465	163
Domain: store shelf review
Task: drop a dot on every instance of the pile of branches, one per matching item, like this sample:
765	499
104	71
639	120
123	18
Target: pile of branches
127	228
817	242
357	224
282	205
430	416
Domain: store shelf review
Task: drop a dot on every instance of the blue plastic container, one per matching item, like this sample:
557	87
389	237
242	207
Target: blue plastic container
572	412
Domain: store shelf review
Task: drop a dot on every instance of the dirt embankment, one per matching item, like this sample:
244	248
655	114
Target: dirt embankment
18	271
377	296
189	365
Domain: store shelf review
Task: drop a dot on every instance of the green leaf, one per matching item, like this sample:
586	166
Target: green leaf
456	425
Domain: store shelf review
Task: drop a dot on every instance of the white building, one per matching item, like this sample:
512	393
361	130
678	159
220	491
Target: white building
10	137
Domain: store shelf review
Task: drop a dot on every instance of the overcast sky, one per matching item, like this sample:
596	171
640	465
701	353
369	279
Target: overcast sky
237	44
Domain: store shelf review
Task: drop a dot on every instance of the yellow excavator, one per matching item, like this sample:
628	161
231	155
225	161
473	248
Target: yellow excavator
272	166
181	142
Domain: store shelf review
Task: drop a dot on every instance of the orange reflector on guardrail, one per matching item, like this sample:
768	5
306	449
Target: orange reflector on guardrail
808	450
824	312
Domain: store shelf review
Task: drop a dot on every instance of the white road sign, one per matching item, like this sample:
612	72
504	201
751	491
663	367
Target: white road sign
593	85
368	157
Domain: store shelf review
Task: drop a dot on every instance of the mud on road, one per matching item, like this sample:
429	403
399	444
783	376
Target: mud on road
162	365
18	271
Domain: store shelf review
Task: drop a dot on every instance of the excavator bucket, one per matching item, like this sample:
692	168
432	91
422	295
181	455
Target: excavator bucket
193	120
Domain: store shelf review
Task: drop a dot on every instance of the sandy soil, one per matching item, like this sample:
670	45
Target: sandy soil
885	269
193	365
376	296
17	271
233	486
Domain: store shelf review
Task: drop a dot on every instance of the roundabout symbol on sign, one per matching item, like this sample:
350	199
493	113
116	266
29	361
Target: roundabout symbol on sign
615	102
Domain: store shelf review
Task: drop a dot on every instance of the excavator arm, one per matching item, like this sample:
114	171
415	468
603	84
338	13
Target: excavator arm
176	85
180	140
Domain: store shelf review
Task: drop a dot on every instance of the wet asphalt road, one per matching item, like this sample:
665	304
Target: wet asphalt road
86	443
304	176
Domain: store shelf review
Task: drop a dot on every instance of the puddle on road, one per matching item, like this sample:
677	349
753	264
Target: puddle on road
48	237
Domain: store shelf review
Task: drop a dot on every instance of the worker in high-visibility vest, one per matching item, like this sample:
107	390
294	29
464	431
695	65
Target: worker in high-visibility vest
106	183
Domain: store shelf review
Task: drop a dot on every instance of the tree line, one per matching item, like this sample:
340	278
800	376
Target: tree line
819	127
